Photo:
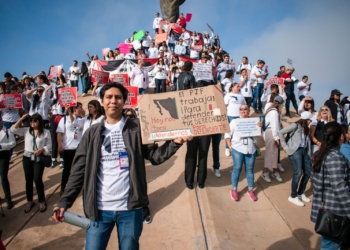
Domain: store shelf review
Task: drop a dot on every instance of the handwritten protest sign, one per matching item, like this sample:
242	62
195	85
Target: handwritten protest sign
275	81
131	102
67	96
121	78
13	101
161	38
55	71
247	127
195	112
124	48
105	51
202	71
99	77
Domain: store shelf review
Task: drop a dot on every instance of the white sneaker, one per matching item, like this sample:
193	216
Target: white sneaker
227	152
270	169
266	176
296	201
13	155
217	172
280	168
83	95
277	176
304	198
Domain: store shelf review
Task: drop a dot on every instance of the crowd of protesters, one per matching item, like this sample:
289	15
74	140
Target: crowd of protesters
312	142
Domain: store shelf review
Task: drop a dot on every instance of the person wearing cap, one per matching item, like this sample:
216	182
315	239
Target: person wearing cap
146	41
334	104
297	150
272	141
180	49
181	21
156	22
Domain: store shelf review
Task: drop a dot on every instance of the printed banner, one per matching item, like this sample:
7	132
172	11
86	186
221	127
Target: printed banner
202	71
99	77
105	51
192	112
125	47
131	102
55	71
247	127
67	96
121	78
13	101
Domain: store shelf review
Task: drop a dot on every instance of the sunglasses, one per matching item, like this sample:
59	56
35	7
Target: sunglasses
40	91
33	120
324	110
243	109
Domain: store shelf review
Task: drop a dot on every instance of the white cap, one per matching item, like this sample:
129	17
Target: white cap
306	115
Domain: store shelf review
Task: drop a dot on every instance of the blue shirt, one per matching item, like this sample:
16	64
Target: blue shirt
345	150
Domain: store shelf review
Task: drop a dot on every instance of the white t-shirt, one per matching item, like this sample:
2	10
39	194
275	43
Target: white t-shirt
72	76
72	132
10	115
156	22
153	52
246	89
97	93
258	71
233	102
162	74
304	91
88	123
194	54
146	41
186	38
227	83
113	177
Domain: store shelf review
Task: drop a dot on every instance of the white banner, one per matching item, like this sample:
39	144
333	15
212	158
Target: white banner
247	127
202	71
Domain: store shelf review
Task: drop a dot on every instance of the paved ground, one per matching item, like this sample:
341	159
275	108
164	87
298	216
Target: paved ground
182	218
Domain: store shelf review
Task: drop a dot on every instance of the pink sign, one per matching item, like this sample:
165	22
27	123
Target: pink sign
13	101
67	96
125	47
55	71
188	17
99	77
131	102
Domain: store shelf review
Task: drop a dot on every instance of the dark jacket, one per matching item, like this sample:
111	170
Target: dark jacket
334	109
87	159
186	81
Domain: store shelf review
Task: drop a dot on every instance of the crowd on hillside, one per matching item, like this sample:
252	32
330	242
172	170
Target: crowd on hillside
99	152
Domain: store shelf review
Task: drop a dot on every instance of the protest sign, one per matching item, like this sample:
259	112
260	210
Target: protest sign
275	81
105	51
55	71
139	35
161	38
211	29
13	101
202	71
188	17
247	127
124	48
67	96
99	77
192	112
121	78
131	102
196	47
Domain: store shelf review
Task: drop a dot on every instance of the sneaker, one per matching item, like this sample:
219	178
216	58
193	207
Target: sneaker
148	220
277	176
62	164
280	168
83	95
265	176
227	152
296	201
53	164
252	195
217	172
234	195
13	155
304	198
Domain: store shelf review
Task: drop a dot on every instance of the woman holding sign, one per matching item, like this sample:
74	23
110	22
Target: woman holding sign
243	151
161	71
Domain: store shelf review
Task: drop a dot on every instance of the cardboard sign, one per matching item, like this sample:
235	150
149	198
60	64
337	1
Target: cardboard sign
131	102
247	127
196	112
67	96
124	48
121	78
105	51
188	17
99	77
202	71
55	71
13	101
161	38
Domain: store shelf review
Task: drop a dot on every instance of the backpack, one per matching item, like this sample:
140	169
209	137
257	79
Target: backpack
263	121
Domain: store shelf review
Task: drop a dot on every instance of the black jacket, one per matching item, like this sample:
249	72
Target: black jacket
186	81
87	159
333	107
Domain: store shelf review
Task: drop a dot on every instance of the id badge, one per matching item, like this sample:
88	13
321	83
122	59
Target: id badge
245	141
32	157
246	89
123	160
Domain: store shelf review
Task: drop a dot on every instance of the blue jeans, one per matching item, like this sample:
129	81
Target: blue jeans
230	118
85	84
300	162
74	84
171	47
129	228
258	91
215	144
248	160
329	244
142	91
160	82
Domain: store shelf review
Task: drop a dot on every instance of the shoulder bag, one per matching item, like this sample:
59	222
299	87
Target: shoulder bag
42	159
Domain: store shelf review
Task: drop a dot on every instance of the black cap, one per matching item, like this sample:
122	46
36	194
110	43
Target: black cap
157	13
336	92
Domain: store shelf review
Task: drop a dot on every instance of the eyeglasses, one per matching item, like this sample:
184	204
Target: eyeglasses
243	109
33	120
324	110
40	91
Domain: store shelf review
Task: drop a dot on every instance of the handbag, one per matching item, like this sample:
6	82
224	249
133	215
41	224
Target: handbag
42	159
258	150
331	225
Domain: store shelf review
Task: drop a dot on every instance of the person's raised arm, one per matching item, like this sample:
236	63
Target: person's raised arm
29	93
16	129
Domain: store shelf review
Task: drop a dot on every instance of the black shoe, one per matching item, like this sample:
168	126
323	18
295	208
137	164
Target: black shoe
9	204
189	186
201	186
53	163
260	111
288	114
148	220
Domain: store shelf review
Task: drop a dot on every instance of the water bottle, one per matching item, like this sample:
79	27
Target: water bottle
76	220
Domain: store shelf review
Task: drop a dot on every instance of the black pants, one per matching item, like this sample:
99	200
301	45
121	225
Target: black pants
33	171
145	212
4	170
248	100
197	148
68	156
291	97
54	138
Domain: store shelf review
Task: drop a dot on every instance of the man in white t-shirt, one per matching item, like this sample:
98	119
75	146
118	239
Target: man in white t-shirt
303	88
185	36
152	51
73	73
260	74
156	22
244	65
146	41
245	85
110	166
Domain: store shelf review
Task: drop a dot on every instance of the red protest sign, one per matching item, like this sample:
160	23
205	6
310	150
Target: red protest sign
13	101
55	71
121	78
67	96
99	77
188	17
131	102
275	81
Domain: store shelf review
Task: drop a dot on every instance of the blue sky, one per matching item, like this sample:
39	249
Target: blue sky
314	34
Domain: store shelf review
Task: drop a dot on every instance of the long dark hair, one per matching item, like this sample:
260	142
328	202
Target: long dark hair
272	97
41	124
312	109
229	73
98	108
36	98
305	125
331	134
